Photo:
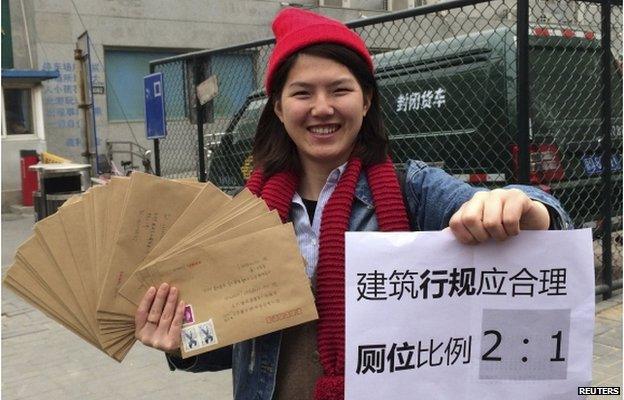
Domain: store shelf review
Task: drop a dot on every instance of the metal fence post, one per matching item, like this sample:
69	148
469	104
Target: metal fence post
157	157
523	91
200	122
607	261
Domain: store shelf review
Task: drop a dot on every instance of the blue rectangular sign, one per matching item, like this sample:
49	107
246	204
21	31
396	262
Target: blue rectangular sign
155	125
593	163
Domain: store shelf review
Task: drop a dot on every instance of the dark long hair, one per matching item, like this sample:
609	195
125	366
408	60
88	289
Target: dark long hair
274	151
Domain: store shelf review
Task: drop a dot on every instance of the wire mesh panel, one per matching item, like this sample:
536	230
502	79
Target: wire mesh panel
617	195
445	89
178	152
447	75
241	77
566	115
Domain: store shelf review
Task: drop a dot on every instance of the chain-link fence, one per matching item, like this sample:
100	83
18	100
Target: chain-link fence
494	92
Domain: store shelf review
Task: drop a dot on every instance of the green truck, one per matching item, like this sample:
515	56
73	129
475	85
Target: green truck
452	104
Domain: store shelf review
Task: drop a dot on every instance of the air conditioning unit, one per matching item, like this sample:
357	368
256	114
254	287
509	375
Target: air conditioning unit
335	3
396	5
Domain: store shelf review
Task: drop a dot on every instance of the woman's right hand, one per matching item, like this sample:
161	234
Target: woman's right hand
158	320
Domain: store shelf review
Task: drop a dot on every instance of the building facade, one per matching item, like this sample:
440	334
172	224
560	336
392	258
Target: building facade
119	38
123	37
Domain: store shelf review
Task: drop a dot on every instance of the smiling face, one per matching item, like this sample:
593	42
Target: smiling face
322	106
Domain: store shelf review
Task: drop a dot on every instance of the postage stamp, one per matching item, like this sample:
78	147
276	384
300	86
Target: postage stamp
197	336
189	339
207	331
189	316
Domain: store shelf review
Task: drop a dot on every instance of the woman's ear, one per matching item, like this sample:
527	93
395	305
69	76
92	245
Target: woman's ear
368	97
277	108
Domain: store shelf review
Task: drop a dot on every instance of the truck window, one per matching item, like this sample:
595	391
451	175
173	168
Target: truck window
245	128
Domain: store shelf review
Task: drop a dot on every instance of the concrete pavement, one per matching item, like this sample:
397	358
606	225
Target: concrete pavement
607	366
41	359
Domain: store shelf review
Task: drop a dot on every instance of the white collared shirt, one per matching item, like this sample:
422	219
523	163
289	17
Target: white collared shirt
308	234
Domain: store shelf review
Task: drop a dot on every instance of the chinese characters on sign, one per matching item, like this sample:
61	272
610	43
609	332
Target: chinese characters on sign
378	285
379	358
61	98
428	317
421	100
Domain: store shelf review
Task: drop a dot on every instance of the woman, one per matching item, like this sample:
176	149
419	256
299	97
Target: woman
321	157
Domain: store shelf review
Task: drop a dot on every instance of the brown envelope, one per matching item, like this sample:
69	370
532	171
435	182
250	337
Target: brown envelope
152	205
238	203
30	289
244	215
136	288
89	221
51	234
191	182
238	289
100	216
264	221
118	190
72	219
42	267
79	259
207	202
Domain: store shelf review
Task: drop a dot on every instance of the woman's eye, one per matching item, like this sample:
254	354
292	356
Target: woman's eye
342	90
300	94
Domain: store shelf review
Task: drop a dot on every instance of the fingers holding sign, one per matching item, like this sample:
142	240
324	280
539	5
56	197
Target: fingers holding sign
499	213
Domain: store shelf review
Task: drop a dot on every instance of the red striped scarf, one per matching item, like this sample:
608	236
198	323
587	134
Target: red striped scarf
278	191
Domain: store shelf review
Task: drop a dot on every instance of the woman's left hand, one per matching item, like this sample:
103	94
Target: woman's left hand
499	213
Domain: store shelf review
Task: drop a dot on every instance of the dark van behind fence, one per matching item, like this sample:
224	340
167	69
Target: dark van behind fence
494	92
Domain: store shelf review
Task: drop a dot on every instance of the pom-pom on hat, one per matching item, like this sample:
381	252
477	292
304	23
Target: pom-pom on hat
295	29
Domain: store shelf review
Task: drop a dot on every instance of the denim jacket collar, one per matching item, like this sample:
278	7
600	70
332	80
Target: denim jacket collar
363	192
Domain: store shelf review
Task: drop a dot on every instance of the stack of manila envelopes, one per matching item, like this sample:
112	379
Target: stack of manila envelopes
237	267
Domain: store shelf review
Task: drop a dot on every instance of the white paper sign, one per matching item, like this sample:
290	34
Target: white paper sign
430	318
208	90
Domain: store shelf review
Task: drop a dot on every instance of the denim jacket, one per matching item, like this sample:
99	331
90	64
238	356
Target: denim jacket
432	196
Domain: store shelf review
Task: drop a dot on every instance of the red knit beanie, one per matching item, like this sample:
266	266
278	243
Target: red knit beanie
295	29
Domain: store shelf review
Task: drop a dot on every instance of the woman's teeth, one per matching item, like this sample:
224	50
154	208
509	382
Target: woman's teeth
324	130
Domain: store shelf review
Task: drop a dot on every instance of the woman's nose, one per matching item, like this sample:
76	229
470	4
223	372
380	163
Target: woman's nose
322	106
